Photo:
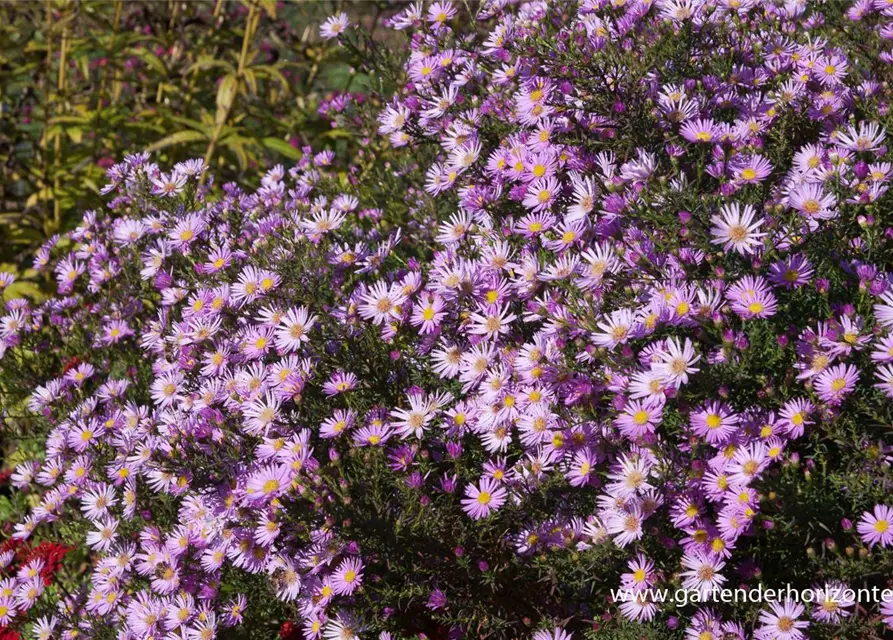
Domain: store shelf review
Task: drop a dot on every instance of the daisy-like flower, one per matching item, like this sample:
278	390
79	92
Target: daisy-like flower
700	130
812	202
751	169
703	573
428	313
6	279
736	230
344	626
782	621
868	136
340	382
886	610
677	361
492	322
629	476
440	13
837	382
876	527
381	303
373	435
640	575
168	185
334	26
541	194
715	422
885	375
481	500
338	423
616	329
795	416
625	526
293	328
883	310
640	417
186	231
831	602
555	634
748	463
792	273
413	421
104	536
751	297
269	482
348	576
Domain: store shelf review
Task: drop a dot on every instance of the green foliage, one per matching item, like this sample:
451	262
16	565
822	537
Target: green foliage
82	82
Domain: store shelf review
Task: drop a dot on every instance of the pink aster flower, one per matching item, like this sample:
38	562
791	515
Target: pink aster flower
877	527
751	169
555	634
541	194
715	422
334	26
492	322
703	573
837	382
737	229
640	417
268	483
293	328
703	131
792	273
340	382
348	576
480	501
782	621
751	297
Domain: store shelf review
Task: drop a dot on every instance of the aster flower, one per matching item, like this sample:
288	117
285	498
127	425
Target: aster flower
751	297
715	422
736	230
483	499
703	573
832	602
837	382
868	136
792	273
701	130
677	361
782	621
334	26
340	382
554	634
492	323
348	576
750	169
876	527
268	482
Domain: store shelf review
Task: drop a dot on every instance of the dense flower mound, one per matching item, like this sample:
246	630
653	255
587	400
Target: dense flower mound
612	313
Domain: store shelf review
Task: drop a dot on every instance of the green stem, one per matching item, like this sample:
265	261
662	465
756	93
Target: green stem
250	27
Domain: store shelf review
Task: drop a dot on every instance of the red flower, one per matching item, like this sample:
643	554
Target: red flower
9	634
52	553
73	361
289	631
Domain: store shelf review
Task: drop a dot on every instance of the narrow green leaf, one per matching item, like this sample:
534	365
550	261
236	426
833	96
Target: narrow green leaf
180	137
282	147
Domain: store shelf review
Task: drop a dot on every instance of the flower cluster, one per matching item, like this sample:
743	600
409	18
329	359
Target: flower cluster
633	317
29	571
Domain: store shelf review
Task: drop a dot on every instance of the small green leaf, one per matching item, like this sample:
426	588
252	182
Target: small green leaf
180	137
282	147
226	93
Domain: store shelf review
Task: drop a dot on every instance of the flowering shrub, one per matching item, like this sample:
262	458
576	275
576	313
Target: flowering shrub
610	313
